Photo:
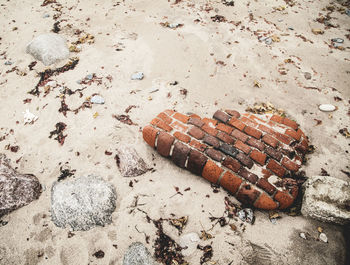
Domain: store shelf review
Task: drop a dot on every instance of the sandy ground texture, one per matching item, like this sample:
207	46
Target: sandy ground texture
218	62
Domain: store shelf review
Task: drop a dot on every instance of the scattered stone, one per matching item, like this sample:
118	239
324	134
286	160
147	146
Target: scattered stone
29	117
323	237
46	15
228	2
82	203
317	31
327	199
327	107
337	40
8	63
302	235
138	254
16	190
189	243
89	76
130	164
48	48
307	75
97	100
137	76
268	41
246	215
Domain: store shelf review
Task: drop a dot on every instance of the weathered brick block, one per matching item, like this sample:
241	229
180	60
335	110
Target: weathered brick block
231	163
258	157
211	171
169	112
164	143
149	135
230	182
180	153
214	154
196	132
182	137
236	143
225	138
221	116
196	162
268	139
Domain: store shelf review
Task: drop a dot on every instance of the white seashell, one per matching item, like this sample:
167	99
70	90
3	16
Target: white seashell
323	237
327	107
29	117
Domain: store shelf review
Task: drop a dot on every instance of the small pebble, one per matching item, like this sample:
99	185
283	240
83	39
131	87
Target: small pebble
290	28
268	41
89	76
327	107
323	237
137	76
46	16
347	12
8	63
337	40
307	75
302	235
97	99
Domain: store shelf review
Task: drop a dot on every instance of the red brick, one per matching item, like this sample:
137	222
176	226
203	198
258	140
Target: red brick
293	134
266	129
239	135
256	143
181	117
192	115
249	122
290	165
196	162
165	117
161	124
231	163
266	186
243	147
268	139
180	153
247	194
214	154
290	123
225	138
273	153
277	118
211	171
265	202
196	133
169	112
266	173
283	138
254	118
284	199
230	182
149	135
182	137
221	116
245	160
179	126
211	140
233	113
258	157
164	143
276	168
294	191
197	122
199	146
236	123
210	122
251	177
302	147
209	130
224	128
253	132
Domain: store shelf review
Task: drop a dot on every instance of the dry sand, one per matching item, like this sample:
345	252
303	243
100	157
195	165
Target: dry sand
192	55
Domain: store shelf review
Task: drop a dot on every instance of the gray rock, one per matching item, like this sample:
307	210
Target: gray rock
327	199
48	48
16	190
138	254
82	203
130	164
268	41
137	76
307	75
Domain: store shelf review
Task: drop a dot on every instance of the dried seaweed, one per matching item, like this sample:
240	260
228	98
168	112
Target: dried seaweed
262	108
65	173
179	223
31	65
44	76
124	119
207	253
60	127
218	18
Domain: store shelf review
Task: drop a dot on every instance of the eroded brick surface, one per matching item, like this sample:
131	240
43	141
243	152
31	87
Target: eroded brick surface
251	156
